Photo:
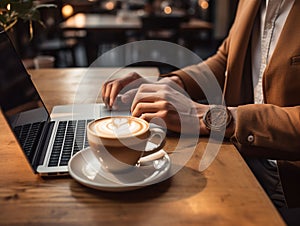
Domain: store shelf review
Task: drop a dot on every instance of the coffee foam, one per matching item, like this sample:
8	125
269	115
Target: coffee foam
117	127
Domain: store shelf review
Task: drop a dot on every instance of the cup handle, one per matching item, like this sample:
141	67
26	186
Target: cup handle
156	132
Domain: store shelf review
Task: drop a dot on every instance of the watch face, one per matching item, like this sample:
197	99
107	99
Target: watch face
217	118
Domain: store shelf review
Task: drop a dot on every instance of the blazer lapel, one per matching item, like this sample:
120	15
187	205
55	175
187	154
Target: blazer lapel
242	29
238	84
289	37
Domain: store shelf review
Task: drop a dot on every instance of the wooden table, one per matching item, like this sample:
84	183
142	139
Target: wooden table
225	194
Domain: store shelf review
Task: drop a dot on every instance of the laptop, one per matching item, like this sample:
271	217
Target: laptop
48	140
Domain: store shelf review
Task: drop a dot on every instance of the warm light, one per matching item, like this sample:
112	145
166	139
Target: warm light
109	5
67	10
80	19
168	10
203	4
8	7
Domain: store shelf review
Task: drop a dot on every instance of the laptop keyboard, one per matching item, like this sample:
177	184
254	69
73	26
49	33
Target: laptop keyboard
28	136
70	138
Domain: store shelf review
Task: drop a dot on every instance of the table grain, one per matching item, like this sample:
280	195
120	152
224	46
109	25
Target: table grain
226	193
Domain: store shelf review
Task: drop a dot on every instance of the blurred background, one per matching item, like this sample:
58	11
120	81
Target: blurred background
76	32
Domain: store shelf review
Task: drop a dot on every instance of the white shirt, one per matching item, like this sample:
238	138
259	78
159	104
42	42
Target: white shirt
256	52
258	30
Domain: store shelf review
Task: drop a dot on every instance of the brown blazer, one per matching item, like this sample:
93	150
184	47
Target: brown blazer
275	125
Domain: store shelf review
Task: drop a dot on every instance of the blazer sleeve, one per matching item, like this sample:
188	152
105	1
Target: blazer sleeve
266	130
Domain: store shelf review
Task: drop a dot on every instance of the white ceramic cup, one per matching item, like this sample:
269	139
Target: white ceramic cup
120	141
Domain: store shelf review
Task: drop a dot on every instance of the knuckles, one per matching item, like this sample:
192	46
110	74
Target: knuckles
166	105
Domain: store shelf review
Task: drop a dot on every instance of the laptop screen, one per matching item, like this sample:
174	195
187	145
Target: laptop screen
20	101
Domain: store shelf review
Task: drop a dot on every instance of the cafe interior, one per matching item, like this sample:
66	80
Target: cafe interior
56	48
76	32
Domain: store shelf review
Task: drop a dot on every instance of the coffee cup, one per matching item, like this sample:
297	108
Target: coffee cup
120	141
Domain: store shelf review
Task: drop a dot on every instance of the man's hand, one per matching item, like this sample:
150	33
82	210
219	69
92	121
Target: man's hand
161	102
121	91
111	89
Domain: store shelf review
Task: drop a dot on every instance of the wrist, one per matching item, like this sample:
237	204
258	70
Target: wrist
177	80
174	78
231	128
201	109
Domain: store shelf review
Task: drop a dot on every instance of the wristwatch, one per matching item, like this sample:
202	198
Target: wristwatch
217	118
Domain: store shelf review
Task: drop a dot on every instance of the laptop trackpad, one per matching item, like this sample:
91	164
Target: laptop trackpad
83	111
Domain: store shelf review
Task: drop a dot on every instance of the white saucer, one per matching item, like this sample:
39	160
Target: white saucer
86	169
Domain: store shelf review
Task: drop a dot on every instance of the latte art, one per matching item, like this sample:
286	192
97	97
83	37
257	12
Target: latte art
116	127
120	141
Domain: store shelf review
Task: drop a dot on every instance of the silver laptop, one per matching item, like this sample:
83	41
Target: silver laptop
47	140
